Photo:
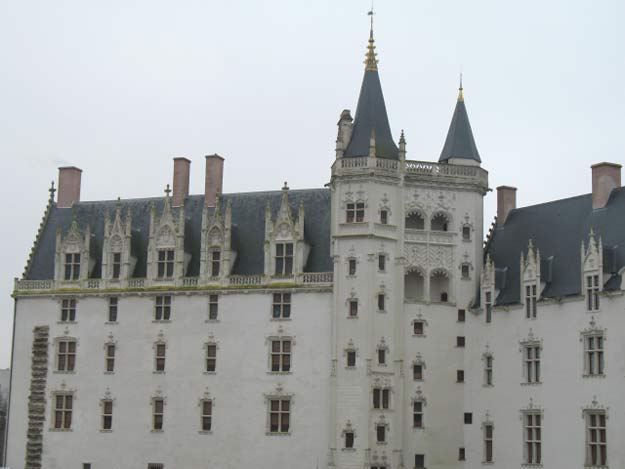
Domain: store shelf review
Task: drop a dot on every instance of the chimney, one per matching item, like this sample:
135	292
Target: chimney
181	181
506	201
214	178
605	177
69	186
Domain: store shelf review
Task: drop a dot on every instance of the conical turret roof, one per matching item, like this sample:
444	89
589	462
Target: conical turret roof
460	142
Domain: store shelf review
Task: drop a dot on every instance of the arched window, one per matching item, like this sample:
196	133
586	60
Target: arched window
439	286
414	285
415	221
440	222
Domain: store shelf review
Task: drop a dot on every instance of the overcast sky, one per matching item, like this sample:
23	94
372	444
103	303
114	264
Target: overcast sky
119	88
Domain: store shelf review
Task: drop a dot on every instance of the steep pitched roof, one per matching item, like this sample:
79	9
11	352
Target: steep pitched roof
248	230
371	117
460	142
557	229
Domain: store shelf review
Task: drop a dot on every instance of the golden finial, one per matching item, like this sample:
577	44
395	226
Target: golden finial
371	63
460	93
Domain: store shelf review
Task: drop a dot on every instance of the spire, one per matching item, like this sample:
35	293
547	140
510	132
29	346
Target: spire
460	142
371	114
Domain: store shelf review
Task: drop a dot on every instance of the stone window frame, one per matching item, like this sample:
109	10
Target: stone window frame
424	323
63	392
533	411
594	409
531	295
593	331
69	308
418	361
469	269
164	305
284	257
350	348
212	250
486	291
466	226
165	263
66	338
103	412
418	397
441	213
348	304
592	291
210	342
281	337
160	340
348	428
486	438
537	344
385	298
382	258
214	299
108	343
110	307
358	205
281	304
281	395
349	260
486	356
204	399
381	386
381	421
382	346
153	413
422	214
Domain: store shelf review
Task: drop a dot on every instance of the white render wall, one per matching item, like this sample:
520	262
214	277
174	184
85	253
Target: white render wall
563	393
238	387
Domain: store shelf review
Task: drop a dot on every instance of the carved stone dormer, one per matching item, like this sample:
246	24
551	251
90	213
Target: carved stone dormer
530	279
592	271
286	251
117	260
166	257
72	260
217	256
487	281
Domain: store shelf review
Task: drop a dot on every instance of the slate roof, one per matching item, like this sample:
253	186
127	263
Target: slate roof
248	230
557	229
459	142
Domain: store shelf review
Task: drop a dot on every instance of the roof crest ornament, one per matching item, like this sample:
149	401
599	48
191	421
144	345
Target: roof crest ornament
460	90
371	63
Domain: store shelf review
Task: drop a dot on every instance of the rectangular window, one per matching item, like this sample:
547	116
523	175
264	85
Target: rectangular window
355	212
213	307
593	356
116	264
110	357
72	266
284	259
281	306
468	418
352	267
488	306
533	437
596	439
66	355
68	310
158	413
86	465
215	262
113	301
460	341
63	407
351	358
461	315
532	363
381	301
162	308
349	440
417	414
165	263
156	466
107	414
461	454
207	415
381	262
488	370
353	308
466	233
281	355
211	357
417	372
418	328
279	415
384	217
381	356
488	442
530	301
464	270
159	358
460	376
419	461
381	398
380	432
592	292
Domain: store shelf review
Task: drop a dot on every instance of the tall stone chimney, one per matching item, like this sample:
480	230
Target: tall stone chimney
182	168
605	177
506	201
69	186
214	179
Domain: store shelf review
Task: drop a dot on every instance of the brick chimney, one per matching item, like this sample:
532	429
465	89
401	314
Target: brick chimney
214	178
180	190
506	201
605	177
69	186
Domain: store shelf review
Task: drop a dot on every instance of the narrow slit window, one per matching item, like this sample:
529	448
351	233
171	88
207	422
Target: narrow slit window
116	262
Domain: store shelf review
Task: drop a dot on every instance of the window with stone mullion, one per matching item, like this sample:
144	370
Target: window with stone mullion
72	266
284	259
165	263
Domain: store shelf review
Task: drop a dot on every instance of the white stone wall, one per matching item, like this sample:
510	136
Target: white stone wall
238	387
563	393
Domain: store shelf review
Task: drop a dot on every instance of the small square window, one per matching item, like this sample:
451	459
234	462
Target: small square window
351	358
460	376
352	267
461	315
460	341
213	307
418	327
468	418
281	308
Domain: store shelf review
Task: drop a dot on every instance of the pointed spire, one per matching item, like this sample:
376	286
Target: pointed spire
460	142
371	113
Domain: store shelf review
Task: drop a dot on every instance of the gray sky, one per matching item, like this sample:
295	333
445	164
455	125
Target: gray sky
118	88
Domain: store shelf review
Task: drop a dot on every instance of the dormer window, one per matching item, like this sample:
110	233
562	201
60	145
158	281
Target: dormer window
215	256
440	222
166	263
355	212
72	266
284	259
530	301
116	264
592	292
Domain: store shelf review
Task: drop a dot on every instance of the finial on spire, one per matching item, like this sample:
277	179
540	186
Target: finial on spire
167	190
52	190
371	63
285	187
460	93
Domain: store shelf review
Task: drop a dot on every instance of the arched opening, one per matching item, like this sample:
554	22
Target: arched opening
414	286
440	222
439	286
415	221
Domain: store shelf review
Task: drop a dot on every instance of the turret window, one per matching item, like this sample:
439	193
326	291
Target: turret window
355	212
72	266
116	264
384	217
352	267
466	233
284	259
381	262
165	263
